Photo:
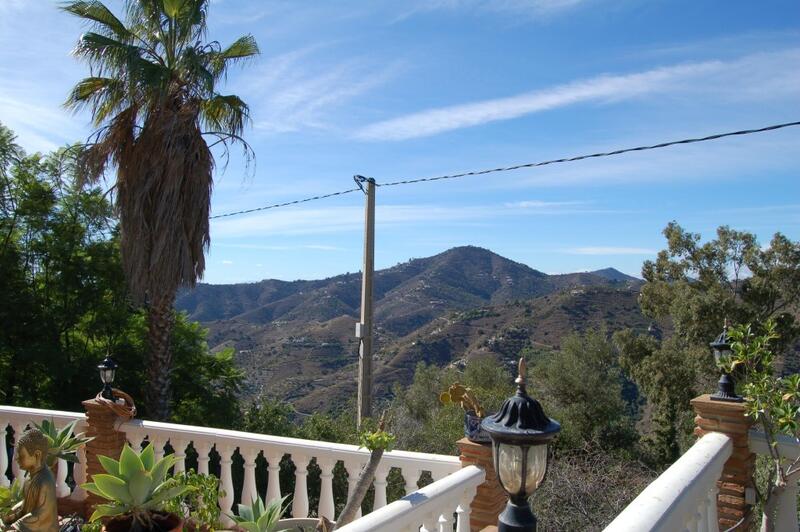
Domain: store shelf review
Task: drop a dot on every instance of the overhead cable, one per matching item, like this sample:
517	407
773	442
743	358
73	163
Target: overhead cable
520	166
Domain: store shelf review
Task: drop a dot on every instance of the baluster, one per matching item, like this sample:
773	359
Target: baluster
62	490
179	447
429	523
273	474
79	474
787	508
226	483
300	503
464	509
700	517
158	446
326	506
19	428
4	455
712	523
202	448
380	487
353	471
411	476
249	491
446	520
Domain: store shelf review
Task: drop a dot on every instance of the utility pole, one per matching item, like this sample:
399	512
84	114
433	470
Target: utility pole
364	327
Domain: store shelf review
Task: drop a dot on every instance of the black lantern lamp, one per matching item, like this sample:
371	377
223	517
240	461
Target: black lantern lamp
107	368
726	389
520	432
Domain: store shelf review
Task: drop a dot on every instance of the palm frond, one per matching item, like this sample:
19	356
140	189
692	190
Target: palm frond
225	113
98	13
241	49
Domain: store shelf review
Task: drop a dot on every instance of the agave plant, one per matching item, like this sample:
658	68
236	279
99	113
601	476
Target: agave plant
9	496
136	485
258	517
61	442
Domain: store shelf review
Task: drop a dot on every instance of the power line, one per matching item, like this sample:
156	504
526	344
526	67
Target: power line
594	155
295	202
521	166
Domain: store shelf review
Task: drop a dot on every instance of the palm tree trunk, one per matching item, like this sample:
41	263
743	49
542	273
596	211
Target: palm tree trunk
160	319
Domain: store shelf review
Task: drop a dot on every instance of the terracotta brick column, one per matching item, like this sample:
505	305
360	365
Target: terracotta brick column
737	475
108	441
490	499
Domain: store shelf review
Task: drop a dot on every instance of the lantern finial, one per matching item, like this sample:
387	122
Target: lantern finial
520	380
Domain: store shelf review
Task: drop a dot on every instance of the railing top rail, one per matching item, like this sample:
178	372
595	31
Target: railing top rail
660	506
409	509
788	447
21	413
235	438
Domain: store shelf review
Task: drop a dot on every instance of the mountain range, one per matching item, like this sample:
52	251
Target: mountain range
295	339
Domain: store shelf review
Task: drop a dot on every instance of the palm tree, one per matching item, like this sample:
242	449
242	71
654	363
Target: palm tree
153	96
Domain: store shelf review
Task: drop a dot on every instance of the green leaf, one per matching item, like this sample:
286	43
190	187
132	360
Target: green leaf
109	464
107	510
246	512
148	457
91	487
140	486
114	488
159	471
129	463
173	7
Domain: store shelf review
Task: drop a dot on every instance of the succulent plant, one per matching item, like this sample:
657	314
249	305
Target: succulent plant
9	496
136	485
258	517
458	393
61	442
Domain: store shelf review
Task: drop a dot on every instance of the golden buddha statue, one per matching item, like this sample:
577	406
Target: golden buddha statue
38	511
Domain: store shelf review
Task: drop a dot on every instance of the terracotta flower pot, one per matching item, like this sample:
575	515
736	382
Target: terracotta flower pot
162	522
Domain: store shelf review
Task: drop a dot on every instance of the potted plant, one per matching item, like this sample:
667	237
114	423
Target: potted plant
10	496
137	489
473	411
199	506
62	444
260	517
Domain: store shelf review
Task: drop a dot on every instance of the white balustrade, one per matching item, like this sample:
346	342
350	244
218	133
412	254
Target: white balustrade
62	470
4	455
684	496
274	448
326	506
789	449
300	500
426	506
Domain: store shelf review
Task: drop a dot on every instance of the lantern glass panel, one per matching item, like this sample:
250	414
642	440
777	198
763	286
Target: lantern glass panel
107	376
509	461
537	465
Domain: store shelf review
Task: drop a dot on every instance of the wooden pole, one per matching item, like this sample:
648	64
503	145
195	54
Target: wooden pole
364	327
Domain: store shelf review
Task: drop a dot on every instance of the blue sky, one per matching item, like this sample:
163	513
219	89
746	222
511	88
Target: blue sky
397	90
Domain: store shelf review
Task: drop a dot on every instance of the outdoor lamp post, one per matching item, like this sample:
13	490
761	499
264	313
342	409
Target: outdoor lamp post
108	368
520	432
726	388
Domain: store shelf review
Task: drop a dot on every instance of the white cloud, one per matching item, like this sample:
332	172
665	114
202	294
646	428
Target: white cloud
227	262
538	204
299	221
761	77
609	250
531	9
291	94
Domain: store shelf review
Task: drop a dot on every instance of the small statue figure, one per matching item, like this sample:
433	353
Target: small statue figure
38	511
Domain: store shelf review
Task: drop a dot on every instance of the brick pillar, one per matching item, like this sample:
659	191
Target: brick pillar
490	499
737	475
108	441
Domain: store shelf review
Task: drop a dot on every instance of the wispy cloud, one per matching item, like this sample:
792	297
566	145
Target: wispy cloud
538	204
531	9
293	94
351	219
263	247
760	76
609	250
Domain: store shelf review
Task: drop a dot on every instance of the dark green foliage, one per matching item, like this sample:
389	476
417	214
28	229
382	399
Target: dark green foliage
692	288
65	306
581	386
